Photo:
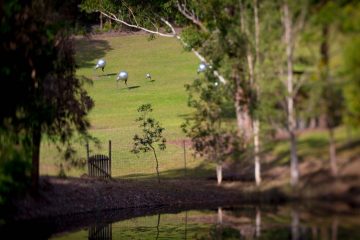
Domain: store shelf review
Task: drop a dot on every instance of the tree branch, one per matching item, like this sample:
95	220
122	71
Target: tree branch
173	34
190	15
113	17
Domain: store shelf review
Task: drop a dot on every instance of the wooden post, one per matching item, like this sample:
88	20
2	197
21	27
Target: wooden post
87	157
109	158
184	158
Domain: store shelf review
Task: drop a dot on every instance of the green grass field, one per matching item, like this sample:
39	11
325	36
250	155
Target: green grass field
115	111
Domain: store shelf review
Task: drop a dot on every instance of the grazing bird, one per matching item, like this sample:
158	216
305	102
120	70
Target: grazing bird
101	64
123	76
148	76
202	67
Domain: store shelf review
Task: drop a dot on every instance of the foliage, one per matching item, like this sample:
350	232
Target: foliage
146	14
40	92
14	169
352	87
206	127
152	133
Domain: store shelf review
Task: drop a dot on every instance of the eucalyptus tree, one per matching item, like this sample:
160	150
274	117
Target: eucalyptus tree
293	22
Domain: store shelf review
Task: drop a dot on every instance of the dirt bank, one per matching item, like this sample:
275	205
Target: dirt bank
59	196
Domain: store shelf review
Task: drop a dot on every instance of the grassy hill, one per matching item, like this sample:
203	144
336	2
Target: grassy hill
115	111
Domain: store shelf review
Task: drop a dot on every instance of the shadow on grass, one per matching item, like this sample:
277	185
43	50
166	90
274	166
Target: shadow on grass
86	58
107	75
133	87
200	172
127	88
314	146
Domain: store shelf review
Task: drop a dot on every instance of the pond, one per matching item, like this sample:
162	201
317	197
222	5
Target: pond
237	222
246	222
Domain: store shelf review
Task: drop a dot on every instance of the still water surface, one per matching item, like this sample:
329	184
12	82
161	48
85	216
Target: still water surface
246	222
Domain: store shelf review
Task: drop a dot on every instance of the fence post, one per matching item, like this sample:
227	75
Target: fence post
87	157
184	158
110	158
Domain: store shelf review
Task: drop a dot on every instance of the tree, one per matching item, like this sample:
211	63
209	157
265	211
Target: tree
210	135
40	94
151	135
291	26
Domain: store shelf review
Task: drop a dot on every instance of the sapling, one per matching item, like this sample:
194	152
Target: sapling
151	135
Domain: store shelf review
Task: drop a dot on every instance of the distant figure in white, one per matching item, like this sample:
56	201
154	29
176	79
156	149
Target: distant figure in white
123	76
100	64
202	67
148	76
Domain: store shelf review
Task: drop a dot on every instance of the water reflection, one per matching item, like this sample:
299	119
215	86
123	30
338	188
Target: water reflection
100	232
250	222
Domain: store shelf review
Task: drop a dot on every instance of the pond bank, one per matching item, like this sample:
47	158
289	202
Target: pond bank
59	196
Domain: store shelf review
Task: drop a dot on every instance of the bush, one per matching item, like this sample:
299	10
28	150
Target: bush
15	168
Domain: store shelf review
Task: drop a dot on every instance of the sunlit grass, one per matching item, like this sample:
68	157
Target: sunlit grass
115	111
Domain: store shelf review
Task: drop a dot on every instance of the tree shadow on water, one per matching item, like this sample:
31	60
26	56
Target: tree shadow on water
86	58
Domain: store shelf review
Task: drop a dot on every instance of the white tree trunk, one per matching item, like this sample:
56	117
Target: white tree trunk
257	152
294	169
258	223
219	173
256	122
220	216
101	21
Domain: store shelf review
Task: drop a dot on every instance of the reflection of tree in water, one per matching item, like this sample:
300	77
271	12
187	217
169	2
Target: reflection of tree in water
100	232
295	225
157	227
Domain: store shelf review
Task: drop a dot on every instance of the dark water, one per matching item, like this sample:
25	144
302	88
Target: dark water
231	223
242	222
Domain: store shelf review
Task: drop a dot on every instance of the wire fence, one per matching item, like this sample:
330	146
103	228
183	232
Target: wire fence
176	161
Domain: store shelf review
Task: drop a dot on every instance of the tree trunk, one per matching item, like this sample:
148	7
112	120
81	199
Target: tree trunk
36	139
157	163
295	222
242	113
243	118
332	153
220	216
258	223
256	122
294	169
324	50
101	21
257	152
219	173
